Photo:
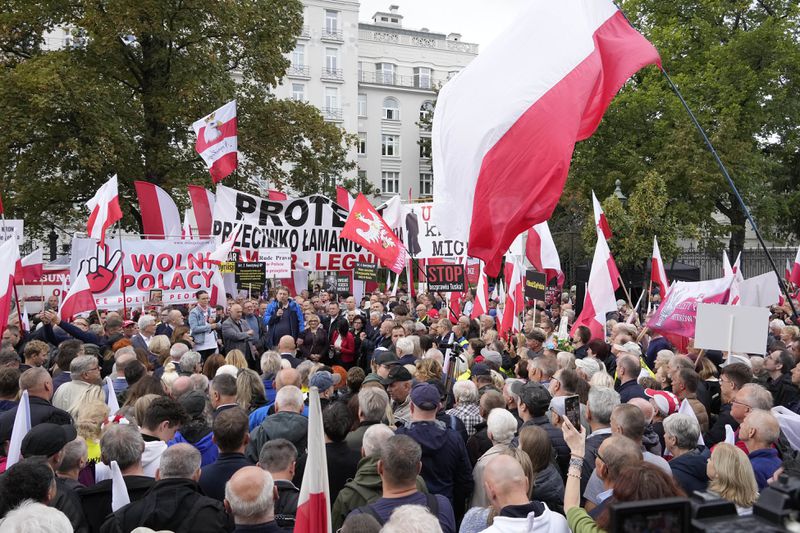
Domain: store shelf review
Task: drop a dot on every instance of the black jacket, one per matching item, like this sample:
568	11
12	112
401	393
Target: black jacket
96	500
68	503
716	433
784	392
286	504
342	466
214	476
282	425
556	439
41	411
689	470
479	443
175	505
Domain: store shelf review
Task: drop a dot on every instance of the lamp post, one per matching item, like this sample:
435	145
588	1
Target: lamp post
619	194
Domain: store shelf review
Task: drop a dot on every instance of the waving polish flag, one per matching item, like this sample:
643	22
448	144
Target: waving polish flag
542	253
795	274
481	304
217	294
600	219
105	210
344	198
9	259
658	276
277	196
202	212
365	226
314	503
217	141
505	127
79	298
599	299
30	268
160	215
515	302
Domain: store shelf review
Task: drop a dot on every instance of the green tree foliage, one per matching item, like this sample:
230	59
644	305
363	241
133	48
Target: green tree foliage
122	97
737	62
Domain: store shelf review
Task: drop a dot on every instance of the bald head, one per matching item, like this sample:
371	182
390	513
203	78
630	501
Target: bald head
505	481
287	376
37	382
180	386
645	407
759	429
250	495
286	344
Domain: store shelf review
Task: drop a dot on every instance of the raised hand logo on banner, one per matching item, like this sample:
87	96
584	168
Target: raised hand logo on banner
100	270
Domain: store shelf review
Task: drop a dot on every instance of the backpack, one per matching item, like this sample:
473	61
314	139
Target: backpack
432	504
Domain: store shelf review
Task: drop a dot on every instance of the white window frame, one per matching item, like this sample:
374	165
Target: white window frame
331	21
299	53
331	95
301	93
391	113
362	105
362	143
390	178
385	73
426	184
390	145
331	59
423	74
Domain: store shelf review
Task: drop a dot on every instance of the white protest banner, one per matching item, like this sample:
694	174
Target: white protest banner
178	267
11	227
732	328
309	227
35	293
760	291
278	262
421	236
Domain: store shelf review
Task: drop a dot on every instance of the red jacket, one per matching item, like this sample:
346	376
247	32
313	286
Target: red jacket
348	349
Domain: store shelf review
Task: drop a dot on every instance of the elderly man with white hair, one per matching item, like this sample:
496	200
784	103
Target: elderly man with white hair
250	497
501	427
175	354
287	423
84	387
147	329
688	464
405	351
466	407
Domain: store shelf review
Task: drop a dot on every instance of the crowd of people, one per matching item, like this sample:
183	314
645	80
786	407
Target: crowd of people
432	422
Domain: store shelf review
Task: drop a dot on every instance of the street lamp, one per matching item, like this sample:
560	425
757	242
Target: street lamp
619	194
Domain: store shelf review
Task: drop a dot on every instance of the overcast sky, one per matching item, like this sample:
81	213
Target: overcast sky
478	21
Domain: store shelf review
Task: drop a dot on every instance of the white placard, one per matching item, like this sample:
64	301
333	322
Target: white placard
12	226
278	262
732	328
760	291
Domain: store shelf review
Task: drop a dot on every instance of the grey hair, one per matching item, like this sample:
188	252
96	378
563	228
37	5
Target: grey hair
146	320
277	455
262	505
81	364
121	443
289	398
412	519
124	350
757	396
502	426
199	382
405	346
602	400
179	461
189	361
374	439
35	517
374	314
270	362
304	369
684	428
372	403
565	360
465	391
74	452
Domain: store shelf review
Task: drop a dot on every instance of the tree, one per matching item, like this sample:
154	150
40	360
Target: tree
122	96
737	64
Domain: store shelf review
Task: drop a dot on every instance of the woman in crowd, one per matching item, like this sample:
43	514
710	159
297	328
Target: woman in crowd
732	477
159	346
343	345
212	364
250	393
236	358
182	333
314	340
501	428
548	486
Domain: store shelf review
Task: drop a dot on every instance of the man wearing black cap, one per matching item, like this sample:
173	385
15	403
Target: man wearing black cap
382	362
47	441
398	385
481	375
534	401
445	463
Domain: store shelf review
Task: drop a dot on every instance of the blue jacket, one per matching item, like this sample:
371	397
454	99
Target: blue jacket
296	320
689	470
214	476
198	325
765	462
445	464
208	450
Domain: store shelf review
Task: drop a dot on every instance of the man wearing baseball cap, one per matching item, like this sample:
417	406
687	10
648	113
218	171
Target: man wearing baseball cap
382	362
324	381
664	404
398	385
445	463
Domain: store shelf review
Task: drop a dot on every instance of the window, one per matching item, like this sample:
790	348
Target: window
331	98
426	114
390	182
426	184
362	143
331	60
422	77
395	20
391	109
384	19
299	56
425	148
331	21
390	145
384	73
362	105
362	179
298	92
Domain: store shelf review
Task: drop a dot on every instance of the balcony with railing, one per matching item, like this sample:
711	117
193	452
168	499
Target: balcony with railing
332	34
332	113
299	71
305	33
418	39
332	74
397	80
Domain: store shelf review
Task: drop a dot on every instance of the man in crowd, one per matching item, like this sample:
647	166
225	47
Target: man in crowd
372	405
731	380
398	385
84	387
283	317
779	365
170	321
249	498
287	423
237	335
534	402
39	385
759	431
279	458
231	436
222	391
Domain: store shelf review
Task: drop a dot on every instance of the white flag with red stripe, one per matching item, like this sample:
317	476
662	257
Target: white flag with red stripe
160	215
515	302
599	299
314	503
104	210
30	268
202	211
735	274
345	199
600	219
794	276
505	127
542	253
481	304
658	276
217	141
217	295
9	259
79	298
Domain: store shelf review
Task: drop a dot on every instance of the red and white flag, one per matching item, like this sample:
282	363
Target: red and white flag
735	274
481	304
542	253
160	215
9	259
344	198
794	277
202	211
30	268
788	274
314	503
217	141
600	219
217	295
277	196
515	301
505	127
678	311
365	226
658	276
104	210
599	299
79	298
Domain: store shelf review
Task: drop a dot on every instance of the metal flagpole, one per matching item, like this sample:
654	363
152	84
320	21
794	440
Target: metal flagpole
16	297
122	272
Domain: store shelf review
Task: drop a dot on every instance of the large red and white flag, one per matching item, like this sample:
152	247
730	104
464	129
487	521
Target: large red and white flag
218	295
735	274
678	311
365	226
217	141
599	299
505	127
30	268
344	198
104	210
658	276
160	215
481	304
794	277
79	298
600	219
515	301
542	253
314	503
202	211
9	259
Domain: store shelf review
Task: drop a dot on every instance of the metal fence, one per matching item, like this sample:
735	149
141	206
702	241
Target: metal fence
754	261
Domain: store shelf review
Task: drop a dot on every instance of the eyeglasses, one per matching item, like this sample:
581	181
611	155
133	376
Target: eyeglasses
597	454
741	403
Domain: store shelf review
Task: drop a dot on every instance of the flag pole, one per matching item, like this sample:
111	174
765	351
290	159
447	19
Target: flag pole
122	272
728	178
16	297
